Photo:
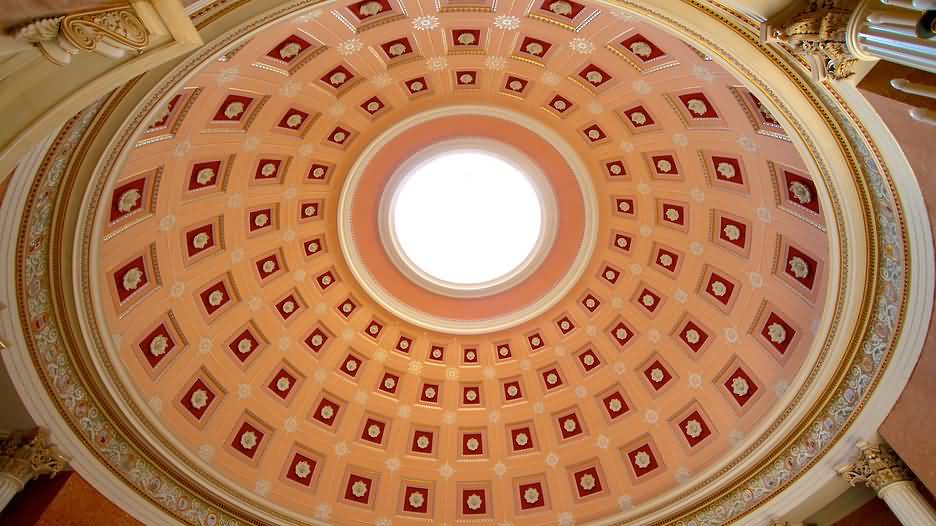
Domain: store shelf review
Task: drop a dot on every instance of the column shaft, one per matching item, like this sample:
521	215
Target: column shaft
9	486
908	504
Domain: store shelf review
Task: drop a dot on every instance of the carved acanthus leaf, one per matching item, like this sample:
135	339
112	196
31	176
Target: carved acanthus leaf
877	467
816	32
27	456
40	30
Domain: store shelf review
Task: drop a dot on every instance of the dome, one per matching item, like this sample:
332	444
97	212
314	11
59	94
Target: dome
457	262
672	304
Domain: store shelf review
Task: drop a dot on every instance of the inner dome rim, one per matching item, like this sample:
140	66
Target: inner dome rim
351	255
529	169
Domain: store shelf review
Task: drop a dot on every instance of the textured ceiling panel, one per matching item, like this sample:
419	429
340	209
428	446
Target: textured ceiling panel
240	320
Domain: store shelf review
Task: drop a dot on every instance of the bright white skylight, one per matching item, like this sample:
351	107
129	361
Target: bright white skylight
467	217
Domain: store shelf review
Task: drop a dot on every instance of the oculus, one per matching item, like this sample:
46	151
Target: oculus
467	217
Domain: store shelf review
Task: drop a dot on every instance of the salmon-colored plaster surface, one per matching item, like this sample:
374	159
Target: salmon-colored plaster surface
872	513
237	323
66	500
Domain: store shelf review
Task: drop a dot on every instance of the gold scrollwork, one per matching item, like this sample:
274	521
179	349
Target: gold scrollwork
26	456
120	25
877	466
816	32
110	32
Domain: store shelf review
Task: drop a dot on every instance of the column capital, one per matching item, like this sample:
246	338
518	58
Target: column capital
26	456
877	466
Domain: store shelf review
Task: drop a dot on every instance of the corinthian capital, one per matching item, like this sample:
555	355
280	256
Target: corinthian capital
816	32
877	466
25	457
110	32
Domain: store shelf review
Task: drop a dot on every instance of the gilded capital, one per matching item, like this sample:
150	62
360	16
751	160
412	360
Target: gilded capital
25	457
816	31
877	466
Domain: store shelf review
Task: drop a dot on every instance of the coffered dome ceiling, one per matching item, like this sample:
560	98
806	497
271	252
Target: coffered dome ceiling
221	267
274	342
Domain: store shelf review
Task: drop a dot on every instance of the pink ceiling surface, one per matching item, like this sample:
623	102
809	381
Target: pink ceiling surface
239	315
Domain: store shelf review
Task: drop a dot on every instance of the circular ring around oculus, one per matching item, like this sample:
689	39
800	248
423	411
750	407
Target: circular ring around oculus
513	293
468	217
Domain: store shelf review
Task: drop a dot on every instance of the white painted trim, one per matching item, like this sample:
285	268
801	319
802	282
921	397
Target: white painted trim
853	29
447	325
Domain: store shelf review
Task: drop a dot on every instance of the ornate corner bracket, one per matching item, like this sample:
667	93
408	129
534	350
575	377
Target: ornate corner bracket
816	31
110	32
